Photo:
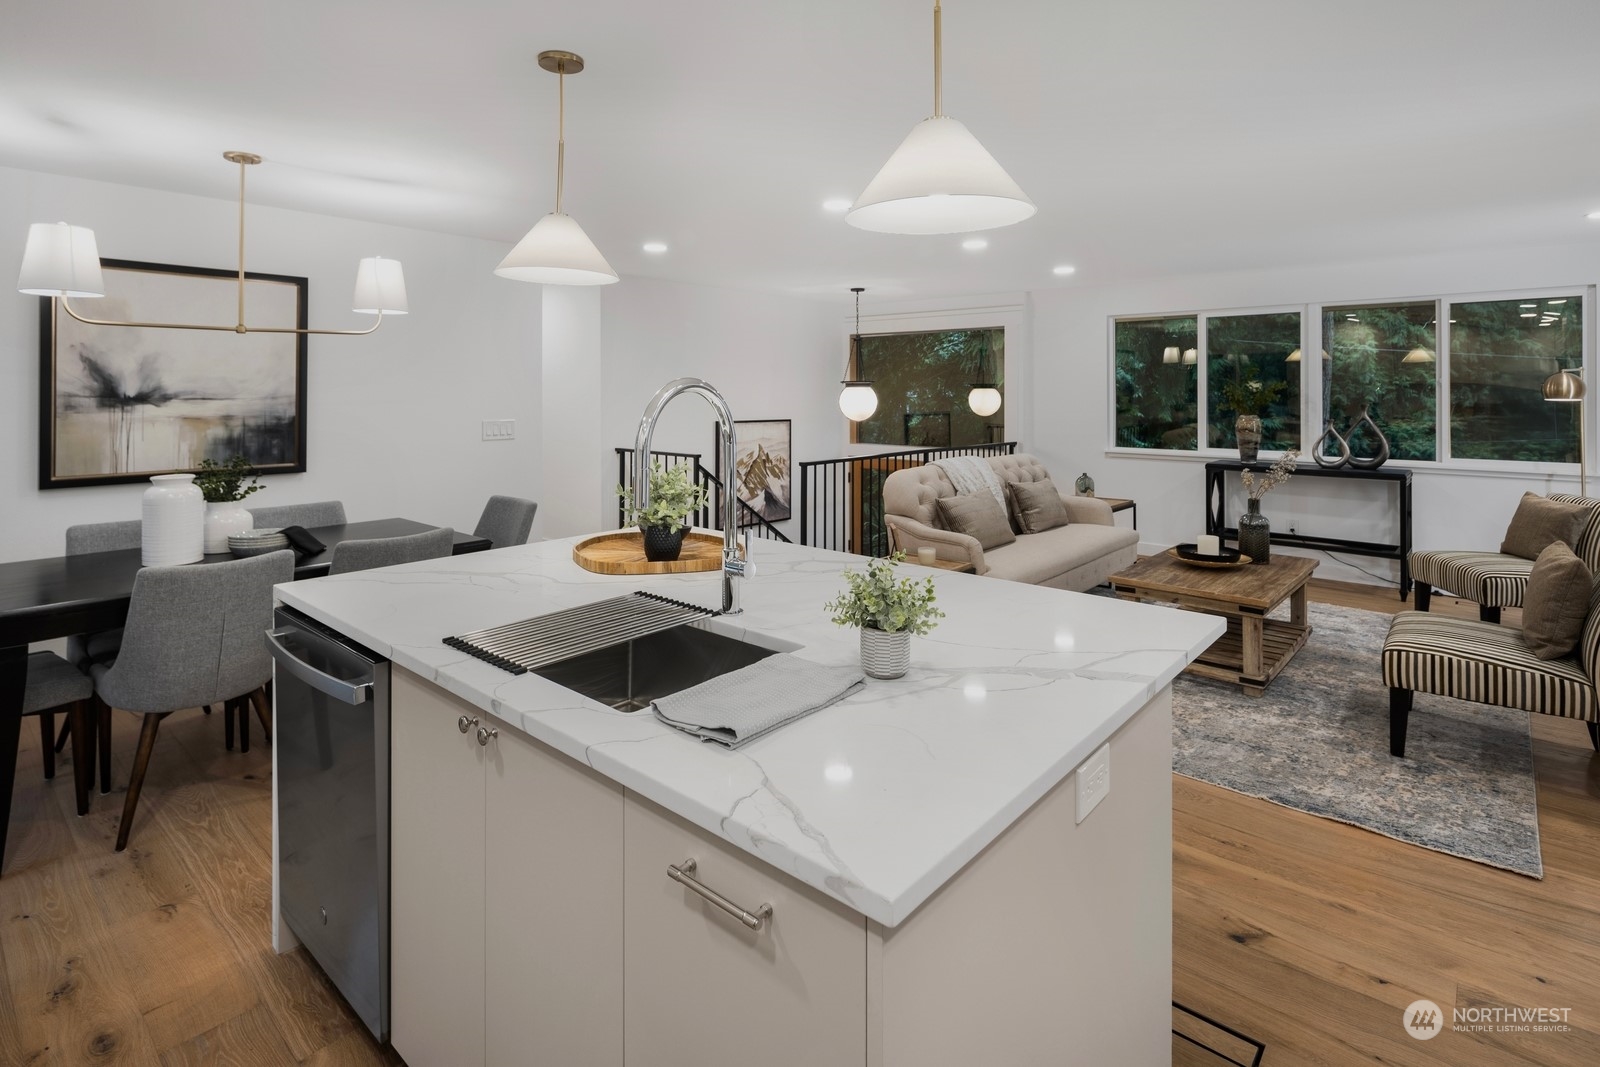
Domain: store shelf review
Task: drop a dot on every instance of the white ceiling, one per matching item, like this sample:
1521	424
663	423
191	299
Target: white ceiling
1156	137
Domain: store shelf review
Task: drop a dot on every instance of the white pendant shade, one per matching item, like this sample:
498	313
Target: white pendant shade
557	252
60	260
984	400
380	287
858	401
940	180
1170	354
1418	355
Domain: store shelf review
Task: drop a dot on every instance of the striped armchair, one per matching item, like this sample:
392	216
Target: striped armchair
1494	580
1487	663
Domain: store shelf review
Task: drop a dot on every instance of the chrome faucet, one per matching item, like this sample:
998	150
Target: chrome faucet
734	563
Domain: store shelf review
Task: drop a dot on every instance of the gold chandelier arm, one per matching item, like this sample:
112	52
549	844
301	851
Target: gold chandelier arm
938	62
239	328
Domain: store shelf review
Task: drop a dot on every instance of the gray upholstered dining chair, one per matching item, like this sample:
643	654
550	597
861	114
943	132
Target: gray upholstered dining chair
193	637
506	520
320	513
98	537
55	685
364	554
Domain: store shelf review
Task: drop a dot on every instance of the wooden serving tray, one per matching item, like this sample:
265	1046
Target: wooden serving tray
622	552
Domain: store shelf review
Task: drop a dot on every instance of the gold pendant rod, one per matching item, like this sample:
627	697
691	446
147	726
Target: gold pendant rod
242	164
938	61
561	135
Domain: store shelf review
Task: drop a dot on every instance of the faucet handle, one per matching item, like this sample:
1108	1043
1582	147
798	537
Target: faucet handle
749	568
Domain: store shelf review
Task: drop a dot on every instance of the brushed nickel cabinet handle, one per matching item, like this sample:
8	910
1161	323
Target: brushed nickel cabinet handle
484	733
466	722
683	874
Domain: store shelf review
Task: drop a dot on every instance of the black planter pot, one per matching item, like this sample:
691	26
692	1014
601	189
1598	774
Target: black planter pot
663	543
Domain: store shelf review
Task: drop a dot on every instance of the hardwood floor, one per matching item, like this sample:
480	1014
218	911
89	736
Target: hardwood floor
1313	936
1303	933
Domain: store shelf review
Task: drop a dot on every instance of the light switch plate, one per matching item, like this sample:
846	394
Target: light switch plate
1094	781
499	429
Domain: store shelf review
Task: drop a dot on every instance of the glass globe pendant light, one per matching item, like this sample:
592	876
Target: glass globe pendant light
984	399
857	400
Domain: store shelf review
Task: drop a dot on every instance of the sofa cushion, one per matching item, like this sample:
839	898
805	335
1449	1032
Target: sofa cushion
1539	521
1557	602
1037	558
1036	506
1490	578
1019	467
978	515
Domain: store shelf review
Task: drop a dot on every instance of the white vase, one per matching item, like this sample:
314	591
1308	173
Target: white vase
173	530
884	654
224	517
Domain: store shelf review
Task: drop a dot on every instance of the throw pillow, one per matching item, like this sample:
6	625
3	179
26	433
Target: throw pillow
1539	522
977	515
1556	604
1036	506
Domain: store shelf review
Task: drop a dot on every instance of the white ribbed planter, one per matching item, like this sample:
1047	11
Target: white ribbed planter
885	655
173	527
224	517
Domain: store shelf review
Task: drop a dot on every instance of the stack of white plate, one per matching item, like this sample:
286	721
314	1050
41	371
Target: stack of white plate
257	542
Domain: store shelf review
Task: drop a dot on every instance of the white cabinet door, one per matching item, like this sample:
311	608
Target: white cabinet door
553	943
436	878
701	988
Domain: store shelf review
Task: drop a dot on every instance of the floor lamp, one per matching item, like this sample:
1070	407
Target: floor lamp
1565	387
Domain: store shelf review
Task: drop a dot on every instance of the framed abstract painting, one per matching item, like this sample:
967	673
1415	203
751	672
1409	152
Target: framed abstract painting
121	403
762	453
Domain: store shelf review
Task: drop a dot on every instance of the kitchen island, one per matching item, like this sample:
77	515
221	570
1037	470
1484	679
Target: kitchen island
939	892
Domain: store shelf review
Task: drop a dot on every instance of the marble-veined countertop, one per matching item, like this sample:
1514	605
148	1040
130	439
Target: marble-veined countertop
877	800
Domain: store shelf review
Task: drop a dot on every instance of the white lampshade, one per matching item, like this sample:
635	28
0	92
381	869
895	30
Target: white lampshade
1418	355
557	252
1190	356
60	260
858	400
984	400
380	287
1293	357
1169	355
940	180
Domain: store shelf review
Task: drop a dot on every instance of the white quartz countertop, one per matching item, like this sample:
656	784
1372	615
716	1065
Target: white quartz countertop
877	800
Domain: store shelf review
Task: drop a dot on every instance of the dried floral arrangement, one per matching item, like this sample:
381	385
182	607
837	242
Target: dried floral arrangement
1257	486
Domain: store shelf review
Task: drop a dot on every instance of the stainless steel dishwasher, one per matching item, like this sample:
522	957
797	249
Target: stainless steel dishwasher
332	741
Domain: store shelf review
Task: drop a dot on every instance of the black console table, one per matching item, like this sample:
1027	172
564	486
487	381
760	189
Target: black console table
1217	515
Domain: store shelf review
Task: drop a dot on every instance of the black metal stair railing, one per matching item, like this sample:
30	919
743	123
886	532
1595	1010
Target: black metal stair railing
709	517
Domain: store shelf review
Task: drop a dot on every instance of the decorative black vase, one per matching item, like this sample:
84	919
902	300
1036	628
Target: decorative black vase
1255	533
1378	459
1332	463
663	543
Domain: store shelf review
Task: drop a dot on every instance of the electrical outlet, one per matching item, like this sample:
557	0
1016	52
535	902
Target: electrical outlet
1094	781
499	429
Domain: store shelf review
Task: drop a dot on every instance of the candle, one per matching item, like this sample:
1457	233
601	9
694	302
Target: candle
926	554
1208	545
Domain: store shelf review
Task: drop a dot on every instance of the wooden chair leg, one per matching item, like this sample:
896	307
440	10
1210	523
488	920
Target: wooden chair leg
227	724
241	708
101	744
1488	614
141	763
1424	595
47	737
258	700
1399	716
80	716
1594	735
65	735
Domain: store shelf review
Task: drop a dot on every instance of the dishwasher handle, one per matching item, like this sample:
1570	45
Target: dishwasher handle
355	693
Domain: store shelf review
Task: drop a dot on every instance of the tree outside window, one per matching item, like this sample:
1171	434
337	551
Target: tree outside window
1383	358
922	381
1156	397
1241	349
1501	351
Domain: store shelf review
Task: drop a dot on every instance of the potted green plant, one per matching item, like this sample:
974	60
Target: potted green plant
888	612
663	522
1248	396
224	485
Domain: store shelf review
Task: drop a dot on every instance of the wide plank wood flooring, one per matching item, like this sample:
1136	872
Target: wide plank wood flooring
1307	934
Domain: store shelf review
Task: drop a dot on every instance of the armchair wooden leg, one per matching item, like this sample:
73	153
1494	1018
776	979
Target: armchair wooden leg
102	743
1488	614
258	700
1424	595
141	763
80	716
47	737
1594	735
1399	716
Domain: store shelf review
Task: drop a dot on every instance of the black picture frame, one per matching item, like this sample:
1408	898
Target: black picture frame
144	374
776	438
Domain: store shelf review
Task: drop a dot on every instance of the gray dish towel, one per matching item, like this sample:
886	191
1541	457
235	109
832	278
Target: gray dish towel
742	705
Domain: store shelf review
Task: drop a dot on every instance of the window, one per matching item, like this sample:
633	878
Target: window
1501	351
1383	358
1156	366
1253	354
922	381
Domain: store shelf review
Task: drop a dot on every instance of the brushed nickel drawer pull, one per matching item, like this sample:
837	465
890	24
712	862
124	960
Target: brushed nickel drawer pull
683	874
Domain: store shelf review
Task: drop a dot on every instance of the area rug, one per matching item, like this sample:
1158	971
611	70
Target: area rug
1318	742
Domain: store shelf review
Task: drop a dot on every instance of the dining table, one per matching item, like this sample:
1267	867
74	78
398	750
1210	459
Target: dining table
60	596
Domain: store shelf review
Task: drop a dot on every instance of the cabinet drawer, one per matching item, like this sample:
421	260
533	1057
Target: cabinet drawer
700	987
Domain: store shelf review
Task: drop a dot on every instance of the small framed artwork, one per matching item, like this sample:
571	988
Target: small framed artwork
121	403
762	463
929	429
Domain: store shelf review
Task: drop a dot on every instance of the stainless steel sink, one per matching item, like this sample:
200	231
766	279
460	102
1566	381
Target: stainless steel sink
629	675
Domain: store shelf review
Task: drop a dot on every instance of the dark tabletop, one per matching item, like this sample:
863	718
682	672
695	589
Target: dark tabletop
63	595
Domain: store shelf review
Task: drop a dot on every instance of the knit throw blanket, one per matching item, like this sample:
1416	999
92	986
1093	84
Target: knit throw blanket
969	474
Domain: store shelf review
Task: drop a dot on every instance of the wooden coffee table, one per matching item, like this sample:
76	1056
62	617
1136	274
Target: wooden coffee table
1255	648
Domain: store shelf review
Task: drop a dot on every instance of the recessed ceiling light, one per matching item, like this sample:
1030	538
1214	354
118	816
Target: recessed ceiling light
836	205
1593	216
974	244
1527	305
655	248
1064	270
1563	300
1529	315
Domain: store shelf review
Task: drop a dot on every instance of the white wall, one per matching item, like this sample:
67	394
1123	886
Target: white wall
576	464
1071	376
393	421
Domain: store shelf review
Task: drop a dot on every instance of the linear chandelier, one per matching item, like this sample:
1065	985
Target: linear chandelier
63	261
940	179
557	251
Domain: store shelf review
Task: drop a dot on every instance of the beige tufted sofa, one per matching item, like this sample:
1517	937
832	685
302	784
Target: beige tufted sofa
1077	556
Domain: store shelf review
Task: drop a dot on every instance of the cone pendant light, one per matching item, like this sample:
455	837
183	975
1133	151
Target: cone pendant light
940	179
557	251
